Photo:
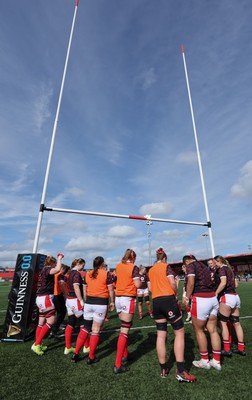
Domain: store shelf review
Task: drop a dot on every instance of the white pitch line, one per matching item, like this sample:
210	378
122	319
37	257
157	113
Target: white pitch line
154	326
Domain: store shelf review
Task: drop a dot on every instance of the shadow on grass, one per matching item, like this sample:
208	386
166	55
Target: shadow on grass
189	352
144	346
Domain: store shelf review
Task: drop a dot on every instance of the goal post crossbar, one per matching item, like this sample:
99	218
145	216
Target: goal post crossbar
136	217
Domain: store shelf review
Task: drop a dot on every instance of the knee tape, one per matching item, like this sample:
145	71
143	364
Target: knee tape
161	326
233	319
147	298
223	318
48	314
140	299
179	324
125	324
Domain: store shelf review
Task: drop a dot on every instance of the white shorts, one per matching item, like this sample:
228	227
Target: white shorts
231	300
74	307
45	302
125	304
203	307
95	312
143	292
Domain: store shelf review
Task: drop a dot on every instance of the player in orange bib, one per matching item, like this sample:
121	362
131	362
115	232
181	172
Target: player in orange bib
165	310
98	289
127	282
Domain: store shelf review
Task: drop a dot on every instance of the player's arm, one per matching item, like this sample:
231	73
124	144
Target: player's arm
84	291
56	269
112	297
173	284
189	288
222	285
136	277
78	292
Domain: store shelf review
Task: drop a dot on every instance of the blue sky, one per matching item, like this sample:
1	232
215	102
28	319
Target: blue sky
124	141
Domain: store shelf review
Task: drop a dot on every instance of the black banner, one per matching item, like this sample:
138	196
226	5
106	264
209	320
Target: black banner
22	313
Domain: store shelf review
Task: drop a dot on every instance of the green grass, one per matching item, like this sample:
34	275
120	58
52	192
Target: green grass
53	376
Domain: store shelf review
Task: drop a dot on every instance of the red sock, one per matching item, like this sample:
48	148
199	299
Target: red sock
125	352
86	344
204	355
241	346
68	336
94	340
83	334
226	345
121	344
217	355
38	330
46	328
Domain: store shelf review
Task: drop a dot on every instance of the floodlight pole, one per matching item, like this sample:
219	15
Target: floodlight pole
198	154
40	216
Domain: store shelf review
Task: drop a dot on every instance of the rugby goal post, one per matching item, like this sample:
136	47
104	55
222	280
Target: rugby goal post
111	215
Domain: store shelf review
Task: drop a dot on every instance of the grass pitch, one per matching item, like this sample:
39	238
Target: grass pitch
24	375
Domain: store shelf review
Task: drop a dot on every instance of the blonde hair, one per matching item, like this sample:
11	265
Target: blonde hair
77	261
129	255
223	261
49	261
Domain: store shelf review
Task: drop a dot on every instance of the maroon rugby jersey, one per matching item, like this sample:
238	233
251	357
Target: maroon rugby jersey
203	280
228	273
74	278
45	282
143	279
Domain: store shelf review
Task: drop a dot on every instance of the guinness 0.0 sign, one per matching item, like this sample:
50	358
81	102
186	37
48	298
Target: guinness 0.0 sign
22	313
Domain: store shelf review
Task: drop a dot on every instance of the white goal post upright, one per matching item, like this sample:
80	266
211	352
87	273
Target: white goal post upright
198	154
43	197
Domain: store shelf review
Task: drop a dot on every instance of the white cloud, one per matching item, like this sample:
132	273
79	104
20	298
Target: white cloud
41	105
75	191
147	78
171	234
92	242
23	172
243	188
66	195
187	157
156	209
121	231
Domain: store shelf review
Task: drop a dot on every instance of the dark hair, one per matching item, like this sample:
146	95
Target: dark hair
161	255
65	268
189	257
98	261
